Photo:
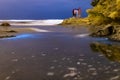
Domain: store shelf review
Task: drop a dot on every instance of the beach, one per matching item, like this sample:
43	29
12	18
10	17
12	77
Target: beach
56	53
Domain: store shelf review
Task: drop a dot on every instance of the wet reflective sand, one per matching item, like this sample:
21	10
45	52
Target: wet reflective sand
61	54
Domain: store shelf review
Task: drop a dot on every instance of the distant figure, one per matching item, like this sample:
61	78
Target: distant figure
74	15
79	12
75	12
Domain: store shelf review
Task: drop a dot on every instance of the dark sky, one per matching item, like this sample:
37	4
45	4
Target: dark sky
41	9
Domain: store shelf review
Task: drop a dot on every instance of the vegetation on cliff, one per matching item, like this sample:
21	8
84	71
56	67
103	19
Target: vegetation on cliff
105	18
75	21
104	12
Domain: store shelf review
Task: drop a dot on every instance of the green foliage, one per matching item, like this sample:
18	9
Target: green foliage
94	2
113	15
75	21
104	12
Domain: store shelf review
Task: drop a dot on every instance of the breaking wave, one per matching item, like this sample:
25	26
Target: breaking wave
34	22
82	35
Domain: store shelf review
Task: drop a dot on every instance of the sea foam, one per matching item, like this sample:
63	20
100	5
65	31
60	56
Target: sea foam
33	22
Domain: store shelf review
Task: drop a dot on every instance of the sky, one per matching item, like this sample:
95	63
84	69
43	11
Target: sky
41	9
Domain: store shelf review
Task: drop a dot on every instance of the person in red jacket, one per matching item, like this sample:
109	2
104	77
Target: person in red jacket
73	13
79	12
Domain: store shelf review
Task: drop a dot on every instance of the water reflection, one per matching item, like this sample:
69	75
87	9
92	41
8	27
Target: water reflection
21	36
112	52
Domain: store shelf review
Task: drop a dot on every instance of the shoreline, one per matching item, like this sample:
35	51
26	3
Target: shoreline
12	32
110	30
45	22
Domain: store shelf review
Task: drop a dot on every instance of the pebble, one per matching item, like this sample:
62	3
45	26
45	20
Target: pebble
52	67
43	54
92	69
100	55
12	52
114	78
94	73
13	72
7	78
81	59
14	60
90	65
54	60
50	73
78	63
56	48
33	56
116	70
72	69
63	58
84	63
70	74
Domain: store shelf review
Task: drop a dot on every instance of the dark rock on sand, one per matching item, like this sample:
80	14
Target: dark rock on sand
102	31
5	24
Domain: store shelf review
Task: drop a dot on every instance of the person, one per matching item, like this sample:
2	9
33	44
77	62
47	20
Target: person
75	12
79	12
74	15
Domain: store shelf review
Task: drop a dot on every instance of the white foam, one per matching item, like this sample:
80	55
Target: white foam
34	22
82	35
39	30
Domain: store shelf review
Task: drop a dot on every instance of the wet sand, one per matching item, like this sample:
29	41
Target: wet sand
57	53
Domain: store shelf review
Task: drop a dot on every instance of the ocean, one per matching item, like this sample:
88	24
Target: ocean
40	9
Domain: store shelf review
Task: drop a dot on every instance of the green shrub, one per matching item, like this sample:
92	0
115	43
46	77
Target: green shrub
94	2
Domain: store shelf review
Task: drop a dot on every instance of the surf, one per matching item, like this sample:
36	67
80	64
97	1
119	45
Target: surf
33	22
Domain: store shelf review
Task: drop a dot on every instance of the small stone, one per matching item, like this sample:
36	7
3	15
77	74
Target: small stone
63	58
68	59
70	74
92	69
56	48
43	54
107	72
50	73
14	60
12	52
13	72
81	59
114	78
100	55
24	58
54	60
52	67
116	70
78	63
94	73
33	56
7	78
84	63
72	69
90	65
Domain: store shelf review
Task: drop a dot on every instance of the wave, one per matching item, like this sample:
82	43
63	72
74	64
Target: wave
33	22
82	35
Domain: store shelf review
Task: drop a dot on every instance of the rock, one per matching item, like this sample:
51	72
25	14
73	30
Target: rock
103	31
5	24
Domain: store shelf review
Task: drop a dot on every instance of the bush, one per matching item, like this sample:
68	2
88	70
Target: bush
94	2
